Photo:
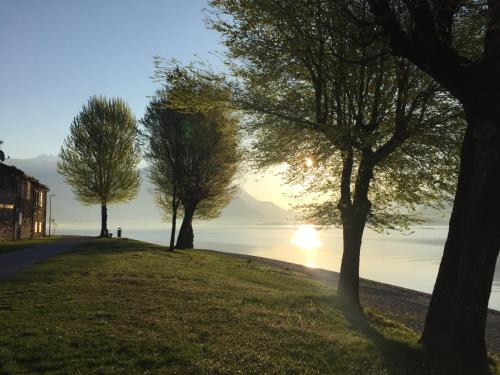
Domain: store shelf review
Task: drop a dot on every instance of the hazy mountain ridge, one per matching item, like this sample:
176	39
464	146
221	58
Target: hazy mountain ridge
143	212
140	212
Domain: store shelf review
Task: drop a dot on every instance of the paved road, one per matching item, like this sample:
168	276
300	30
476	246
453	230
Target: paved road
13	261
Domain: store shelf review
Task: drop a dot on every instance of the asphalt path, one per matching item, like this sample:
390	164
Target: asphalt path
16	260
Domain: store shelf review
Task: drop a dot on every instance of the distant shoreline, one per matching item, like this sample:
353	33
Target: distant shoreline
403	305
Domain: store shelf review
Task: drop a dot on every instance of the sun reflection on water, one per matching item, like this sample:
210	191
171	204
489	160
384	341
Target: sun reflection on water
306	237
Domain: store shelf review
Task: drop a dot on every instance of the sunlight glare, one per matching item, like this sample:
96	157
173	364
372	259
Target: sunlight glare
309	162
306	238
311	264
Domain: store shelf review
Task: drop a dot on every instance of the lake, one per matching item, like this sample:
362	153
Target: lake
407	260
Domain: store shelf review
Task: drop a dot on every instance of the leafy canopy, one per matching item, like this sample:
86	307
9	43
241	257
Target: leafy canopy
99	158
306	99
193	145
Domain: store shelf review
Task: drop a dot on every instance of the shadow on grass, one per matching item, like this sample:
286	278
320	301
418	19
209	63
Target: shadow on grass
117	245
9	246
84	258
401	357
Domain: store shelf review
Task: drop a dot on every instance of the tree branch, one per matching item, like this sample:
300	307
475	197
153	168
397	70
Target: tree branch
424	46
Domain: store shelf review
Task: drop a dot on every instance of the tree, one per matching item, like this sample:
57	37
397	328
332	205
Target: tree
367	126
100	156
458	44
212	167
193	148
165	129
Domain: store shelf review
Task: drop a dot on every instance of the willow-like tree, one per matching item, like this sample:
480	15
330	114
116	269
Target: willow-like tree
164	131
193	150
99	158
378	132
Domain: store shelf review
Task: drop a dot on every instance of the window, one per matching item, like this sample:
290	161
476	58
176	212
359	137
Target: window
20	218
40	198
28	190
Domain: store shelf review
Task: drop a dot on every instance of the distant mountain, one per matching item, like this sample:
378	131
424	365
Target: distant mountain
143	212
266	208
140	212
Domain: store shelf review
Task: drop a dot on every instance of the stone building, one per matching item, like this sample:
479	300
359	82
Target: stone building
23	205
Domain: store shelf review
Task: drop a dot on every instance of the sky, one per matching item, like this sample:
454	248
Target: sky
55	54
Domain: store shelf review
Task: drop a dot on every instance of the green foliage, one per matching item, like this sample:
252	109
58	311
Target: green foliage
100	156
122	306
460	25
193	146
306	99
192	88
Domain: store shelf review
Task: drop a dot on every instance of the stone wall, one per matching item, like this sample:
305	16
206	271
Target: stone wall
7	200
23	205
39	213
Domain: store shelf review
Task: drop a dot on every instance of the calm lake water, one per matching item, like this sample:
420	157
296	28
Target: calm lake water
407	260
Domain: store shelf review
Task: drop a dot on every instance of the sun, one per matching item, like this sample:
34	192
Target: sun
309	162
306	237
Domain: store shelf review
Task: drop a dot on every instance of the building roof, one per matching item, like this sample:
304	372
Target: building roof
20	174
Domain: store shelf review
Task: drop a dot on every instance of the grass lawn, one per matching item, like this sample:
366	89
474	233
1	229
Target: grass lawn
121	306
7	246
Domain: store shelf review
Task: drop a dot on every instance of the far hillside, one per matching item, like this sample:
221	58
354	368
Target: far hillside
142	211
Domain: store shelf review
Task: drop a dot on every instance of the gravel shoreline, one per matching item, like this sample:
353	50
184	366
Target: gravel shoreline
406	306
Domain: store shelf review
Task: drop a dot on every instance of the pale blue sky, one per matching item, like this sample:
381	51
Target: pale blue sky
55	54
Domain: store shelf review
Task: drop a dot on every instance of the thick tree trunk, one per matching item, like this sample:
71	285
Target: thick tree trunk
457	313
104	220
352	230
354	216
175	204
185	240
174	222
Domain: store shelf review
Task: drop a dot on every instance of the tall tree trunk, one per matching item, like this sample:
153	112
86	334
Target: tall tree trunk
457	313
175	205
185	240
104	220
354	216
172	230
353	225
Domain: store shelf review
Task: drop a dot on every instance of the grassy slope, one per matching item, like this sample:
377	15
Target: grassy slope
7	246
121	306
